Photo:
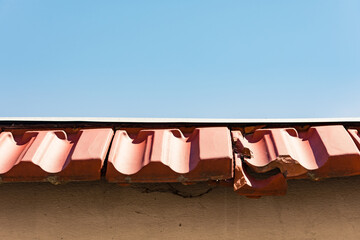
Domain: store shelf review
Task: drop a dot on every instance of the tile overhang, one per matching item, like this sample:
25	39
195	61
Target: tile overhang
250	180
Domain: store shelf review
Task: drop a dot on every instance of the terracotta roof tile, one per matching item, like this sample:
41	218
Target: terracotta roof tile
248	185
354	133
258	160
30	155
319	152
170	155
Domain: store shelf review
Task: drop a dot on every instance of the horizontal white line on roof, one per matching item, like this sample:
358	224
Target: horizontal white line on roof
175	120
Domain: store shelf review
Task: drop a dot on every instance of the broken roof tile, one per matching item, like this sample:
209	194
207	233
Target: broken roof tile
267	157
260	185
326	151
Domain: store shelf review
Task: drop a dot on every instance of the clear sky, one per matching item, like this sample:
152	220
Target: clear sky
213	59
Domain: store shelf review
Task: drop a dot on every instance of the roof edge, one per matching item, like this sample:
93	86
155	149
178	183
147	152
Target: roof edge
179	120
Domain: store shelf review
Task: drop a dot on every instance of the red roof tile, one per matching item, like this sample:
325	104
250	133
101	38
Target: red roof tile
66	154
264	157
168	155
320	152
354	133
248	185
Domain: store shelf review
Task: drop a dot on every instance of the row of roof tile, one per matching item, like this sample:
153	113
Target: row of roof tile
258	163
145	156
267	157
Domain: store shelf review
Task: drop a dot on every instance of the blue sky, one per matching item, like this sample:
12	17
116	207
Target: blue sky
198	59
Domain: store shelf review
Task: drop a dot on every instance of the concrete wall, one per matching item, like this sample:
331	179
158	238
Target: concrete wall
311	210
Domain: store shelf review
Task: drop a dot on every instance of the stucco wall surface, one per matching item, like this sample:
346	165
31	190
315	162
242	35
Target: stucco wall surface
311	210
